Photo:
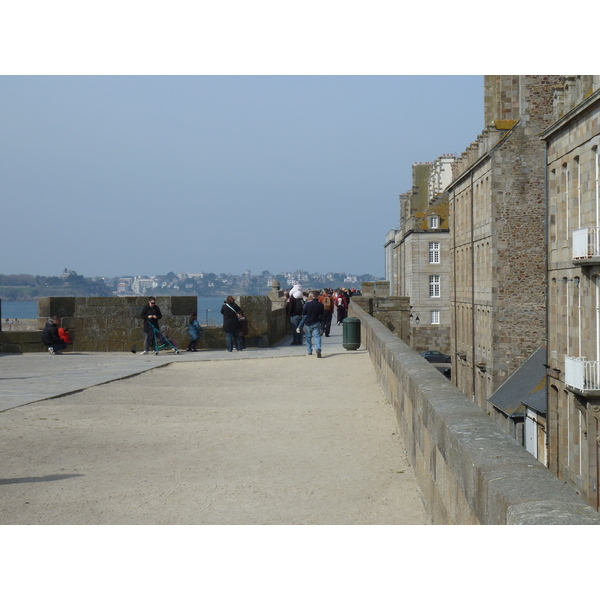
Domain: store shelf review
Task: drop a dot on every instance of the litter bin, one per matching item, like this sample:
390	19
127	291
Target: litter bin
351	333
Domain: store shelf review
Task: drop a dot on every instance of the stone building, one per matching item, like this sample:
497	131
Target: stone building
420	261
573	246
390	272
497	237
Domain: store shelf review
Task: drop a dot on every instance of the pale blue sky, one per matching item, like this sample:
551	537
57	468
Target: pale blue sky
114	175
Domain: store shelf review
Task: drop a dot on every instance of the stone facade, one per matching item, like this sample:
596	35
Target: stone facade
497	237
421	261
573	171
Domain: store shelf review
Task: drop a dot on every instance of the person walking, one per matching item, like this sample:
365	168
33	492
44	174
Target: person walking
327	302
195	332
296	305
312	314
341	304
231	323
150	315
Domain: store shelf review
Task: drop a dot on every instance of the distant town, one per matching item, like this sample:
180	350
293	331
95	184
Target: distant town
70	283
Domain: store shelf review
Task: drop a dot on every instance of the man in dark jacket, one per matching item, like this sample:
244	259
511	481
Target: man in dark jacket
312	315
231	323
150	314
51	338
295	306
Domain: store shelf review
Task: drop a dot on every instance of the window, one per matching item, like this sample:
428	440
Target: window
434	286
434	252
435	317
434	222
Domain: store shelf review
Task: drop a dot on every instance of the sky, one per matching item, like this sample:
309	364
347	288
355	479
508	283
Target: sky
137	175
138	138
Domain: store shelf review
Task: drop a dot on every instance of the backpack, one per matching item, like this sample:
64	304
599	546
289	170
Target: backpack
327	303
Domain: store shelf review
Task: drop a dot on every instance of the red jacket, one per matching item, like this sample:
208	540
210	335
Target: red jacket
63	335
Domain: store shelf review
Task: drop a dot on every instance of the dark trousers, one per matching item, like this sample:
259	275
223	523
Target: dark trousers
326	322
233	337
57	346
295	321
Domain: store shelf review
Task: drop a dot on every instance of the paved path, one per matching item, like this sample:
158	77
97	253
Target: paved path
210	438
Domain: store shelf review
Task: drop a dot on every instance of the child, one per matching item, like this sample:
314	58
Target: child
63	334
195	331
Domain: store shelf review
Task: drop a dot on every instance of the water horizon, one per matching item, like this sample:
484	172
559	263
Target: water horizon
208	308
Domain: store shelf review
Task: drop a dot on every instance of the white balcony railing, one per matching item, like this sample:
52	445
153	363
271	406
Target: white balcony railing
586	243
582	374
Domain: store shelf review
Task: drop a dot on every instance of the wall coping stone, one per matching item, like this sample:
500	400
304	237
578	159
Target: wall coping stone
500	482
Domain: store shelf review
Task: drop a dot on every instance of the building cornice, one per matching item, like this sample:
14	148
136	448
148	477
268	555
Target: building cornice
467	172
583	107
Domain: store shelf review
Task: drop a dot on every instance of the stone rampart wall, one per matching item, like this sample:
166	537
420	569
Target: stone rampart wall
114	324
470	471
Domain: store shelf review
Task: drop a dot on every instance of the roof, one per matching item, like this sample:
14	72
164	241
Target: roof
526	387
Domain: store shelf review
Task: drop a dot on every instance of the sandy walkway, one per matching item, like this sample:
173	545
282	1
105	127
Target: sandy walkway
293	440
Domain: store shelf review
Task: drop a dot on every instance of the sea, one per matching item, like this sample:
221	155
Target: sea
209	309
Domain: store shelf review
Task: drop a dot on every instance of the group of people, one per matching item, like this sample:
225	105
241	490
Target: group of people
312	314
235	325
308	313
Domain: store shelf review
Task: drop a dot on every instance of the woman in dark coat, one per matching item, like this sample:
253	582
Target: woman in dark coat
231	323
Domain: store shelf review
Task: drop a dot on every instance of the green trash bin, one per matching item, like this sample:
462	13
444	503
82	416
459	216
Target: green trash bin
351	333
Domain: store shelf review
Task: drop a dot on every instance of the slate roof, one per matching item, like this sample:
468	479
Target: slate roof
526	387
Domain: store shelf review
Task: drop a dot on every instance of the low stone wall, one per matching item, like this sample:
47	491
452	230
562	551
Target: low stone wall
21	341
392	311
114	325
470	471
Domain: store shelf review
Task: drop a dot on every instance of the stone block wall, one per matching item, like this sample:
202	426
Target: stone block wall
21	341
392	311
114	324
469	469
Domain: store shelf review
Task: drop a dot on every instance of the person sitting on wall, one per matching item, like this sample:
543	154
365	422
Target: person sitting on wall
50	336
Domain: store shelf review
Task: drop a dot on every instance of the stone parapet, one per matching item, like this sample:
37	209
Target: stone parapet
114	324
20	341
392	311
486	140
382	289
470	470
368	289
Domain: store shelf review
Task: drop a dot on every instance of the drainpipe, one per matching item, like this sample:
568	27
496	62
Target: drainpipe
473	286
546	244
597	191
453	250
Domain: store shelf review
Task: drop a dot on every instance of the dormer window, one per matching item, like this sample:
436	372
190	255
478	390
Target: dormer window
434	222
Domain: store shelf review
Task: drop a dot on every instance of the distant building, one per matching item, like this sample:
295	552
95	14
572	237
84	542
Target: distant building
417	258
141	285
